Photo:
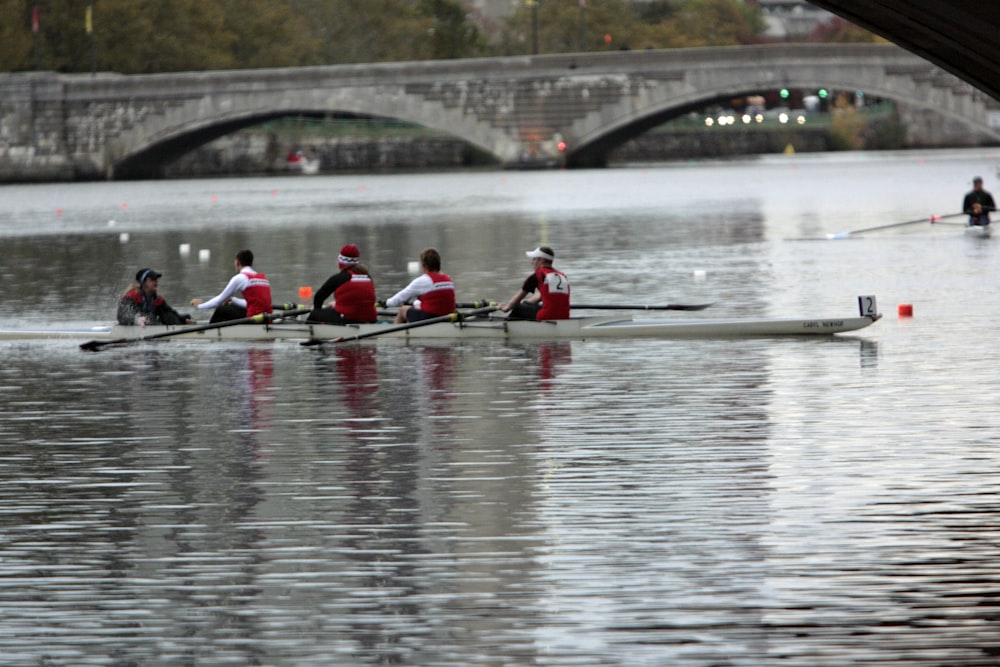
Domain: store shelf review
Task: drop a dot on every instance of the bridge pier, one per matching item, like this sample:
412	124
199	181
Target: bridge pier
33	132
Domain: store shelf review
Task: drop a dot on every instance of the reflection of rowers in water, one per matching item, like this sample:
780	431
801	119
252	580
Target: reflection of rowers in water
357	382
260	395
551	357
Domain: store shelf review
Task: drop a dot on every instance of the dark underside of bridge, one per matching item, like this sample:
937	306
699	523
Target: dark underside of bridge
957	35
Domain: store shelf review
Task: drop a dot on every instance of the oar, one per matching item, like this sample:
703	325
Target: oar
615	306
618	306
932	219
262	318
451	317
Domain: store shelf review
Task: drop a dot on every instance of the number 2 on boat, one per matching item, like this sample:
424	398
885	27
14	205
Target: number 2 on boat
867	306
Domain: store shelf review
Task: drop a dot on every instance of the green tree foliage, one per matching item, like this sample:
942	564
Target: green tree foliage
718	23
837	30
269	34
558	25
349	31
143	36
847	126
617	24
452	34
16	38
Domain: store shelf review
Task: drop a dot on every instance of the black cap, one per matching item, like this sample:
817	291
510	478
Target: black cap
146	273
977	179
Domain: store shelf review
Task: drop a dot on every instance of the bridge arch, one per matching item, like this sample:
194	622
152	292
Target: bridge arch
142	151
909	81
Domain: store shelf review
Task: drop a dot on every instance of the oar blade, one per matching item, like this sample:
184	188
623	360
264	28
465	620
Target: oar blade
689	306
95	345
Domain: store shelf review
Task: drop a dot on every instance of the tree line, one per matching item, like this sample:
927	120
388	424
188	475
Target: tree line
149	36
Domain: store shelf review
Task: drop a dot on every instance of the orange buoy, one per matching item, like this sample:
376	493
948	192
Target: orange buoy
305	292
906	310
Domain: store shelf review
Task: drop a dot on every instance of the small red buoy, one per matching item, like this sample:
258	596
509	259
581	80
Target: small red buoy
305	292
906	310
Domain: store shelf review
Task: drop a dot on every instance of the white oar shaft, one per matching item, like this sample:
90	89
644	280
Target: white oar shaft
931	219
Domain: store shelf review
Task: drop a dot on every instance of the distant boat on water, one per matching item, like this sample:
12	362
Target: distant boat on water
303	162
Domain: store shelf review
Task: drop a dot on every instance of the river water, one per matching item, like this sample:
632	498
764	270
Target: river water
828	501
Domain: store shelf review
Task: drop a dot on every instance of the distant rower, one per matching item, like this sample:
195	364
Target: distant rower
978	195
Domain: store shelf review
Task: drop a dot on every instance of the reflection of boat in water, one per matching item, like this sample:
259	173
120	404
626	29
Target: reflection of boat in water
303	162
978	231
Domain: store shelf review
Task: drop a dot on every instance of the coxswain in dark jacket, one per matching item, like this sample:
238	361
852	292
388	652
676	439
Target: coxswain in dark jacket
141	305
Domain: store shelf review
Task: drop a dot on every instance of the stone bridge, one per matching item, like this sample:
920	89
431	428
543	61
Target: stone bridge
529	112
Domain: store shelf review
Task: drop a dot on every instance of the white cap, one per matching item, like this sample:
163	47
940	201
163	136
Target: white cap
541	252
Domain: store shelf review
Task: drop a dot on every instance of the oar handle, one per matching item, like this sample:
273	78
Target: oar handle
476	304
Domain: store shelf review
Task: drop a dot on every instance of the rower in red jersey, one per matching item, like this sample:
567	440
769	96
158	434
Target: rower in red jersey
353	291
251	284
432	293
550	289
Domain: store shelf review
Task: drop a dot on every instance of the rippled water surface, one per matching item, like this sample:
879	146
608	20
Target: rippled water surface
824	501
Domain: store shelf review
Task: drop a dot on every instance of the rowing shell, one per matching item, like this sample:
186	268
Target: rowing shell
581	328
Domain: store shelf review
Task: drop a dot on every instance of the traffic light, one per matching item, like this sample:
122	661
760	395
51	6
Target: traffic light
783	93
823	93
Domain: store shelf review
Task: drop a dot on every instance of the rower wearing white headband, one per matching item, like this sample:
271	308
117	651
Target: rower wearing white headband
551	302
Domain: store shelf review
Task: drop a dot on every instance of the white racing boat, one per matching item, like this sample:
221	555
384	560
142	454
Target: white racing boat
476	328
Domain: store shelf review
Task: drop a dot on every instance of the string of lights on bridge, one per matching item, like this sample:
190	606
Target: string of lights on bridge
756	113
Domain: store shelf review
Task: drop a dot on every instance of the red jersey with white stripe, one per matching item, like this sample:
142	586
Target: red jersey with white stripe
554	288
257	293
143	306
440	299
355	298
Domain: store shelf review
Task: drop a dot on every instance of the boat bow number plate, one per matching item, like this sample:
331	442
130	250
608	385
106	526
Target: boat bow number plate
866	304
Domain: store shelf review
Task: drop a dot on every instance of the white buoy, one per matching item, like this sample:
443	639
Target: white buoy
699	274
413	268
123	237
204	255
111	223
184	249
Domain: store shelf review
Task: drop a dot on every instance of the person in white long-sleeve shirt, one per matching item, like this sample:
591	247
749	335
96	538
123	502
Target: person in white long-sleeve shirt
252	285
432	293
